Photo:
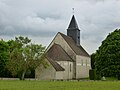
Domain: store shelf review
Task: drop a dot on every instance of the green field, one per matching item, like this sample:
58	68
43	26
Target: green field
59	85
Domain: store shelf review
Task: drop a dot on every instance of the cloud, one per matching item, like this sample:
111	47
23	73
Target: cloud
30	18
44	18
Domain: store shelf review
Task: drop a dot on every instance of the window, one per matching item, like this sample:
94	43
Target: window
70	68
81	62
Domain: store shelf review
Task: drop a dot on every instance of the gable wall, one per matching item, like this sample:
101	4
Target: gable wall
82	66
60	40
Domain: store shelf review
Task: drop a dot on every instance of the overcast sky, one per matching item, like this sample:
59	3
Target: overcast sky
40	20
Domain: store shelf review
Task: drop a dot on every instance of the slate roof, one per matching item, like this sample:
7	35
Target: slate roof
79	50
73	23
55	65
57	53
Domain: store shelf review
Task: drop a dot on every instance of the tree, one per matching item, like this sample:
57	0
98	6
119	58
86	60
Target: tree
3	58
24	55
107	57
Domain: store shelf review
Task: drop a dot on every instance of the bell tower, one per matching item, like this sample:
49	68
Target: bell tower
73	31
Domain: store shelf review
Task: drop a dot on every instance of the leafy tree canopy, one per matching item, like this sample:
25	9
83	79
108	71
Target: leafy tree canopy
23	55
107	57
3	58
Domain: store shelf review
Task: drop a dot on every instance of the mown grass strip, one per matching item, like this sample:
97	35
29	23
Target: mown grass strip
59	85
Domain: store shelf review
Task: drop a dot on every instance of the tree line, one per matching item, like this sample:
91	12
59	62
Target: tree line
20	57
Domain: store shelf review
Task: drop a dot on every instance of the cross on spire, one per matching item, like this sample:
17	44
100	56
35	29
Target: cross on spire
73	11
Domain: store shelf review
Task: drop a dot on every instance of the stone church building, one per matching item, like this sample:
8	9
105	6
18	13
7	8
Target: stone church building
67	59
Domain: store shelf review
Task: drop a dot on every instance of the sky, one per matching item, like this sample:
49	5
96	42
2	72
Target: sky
40	20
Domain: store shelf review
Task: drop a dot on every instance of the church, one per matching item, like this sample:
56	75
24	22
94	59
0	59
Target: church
66	57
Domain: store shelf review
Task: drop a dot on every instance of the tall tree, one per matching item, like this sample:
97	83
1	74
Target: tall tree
3	58
24	55
107	57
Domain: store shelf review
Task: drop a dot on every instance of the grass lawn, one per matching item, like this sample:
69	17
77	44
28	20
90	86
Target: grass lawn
59	85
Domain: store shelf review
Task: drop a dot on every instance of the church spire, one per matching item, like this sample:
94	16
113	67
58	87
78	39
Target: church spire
73	31
73	23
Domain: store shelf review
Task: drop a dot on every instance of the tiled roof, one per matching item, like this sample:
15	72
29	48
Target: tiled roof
57	53
79	50
55	65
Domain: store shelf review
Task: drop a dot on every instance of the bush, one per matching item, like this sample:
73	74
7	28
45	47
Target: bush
118	77
92	74
98	77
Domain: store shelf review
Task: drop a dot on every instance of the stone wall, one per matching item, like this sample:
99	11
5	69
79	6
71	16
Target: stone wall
83	65
68	66
60	40
45	73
